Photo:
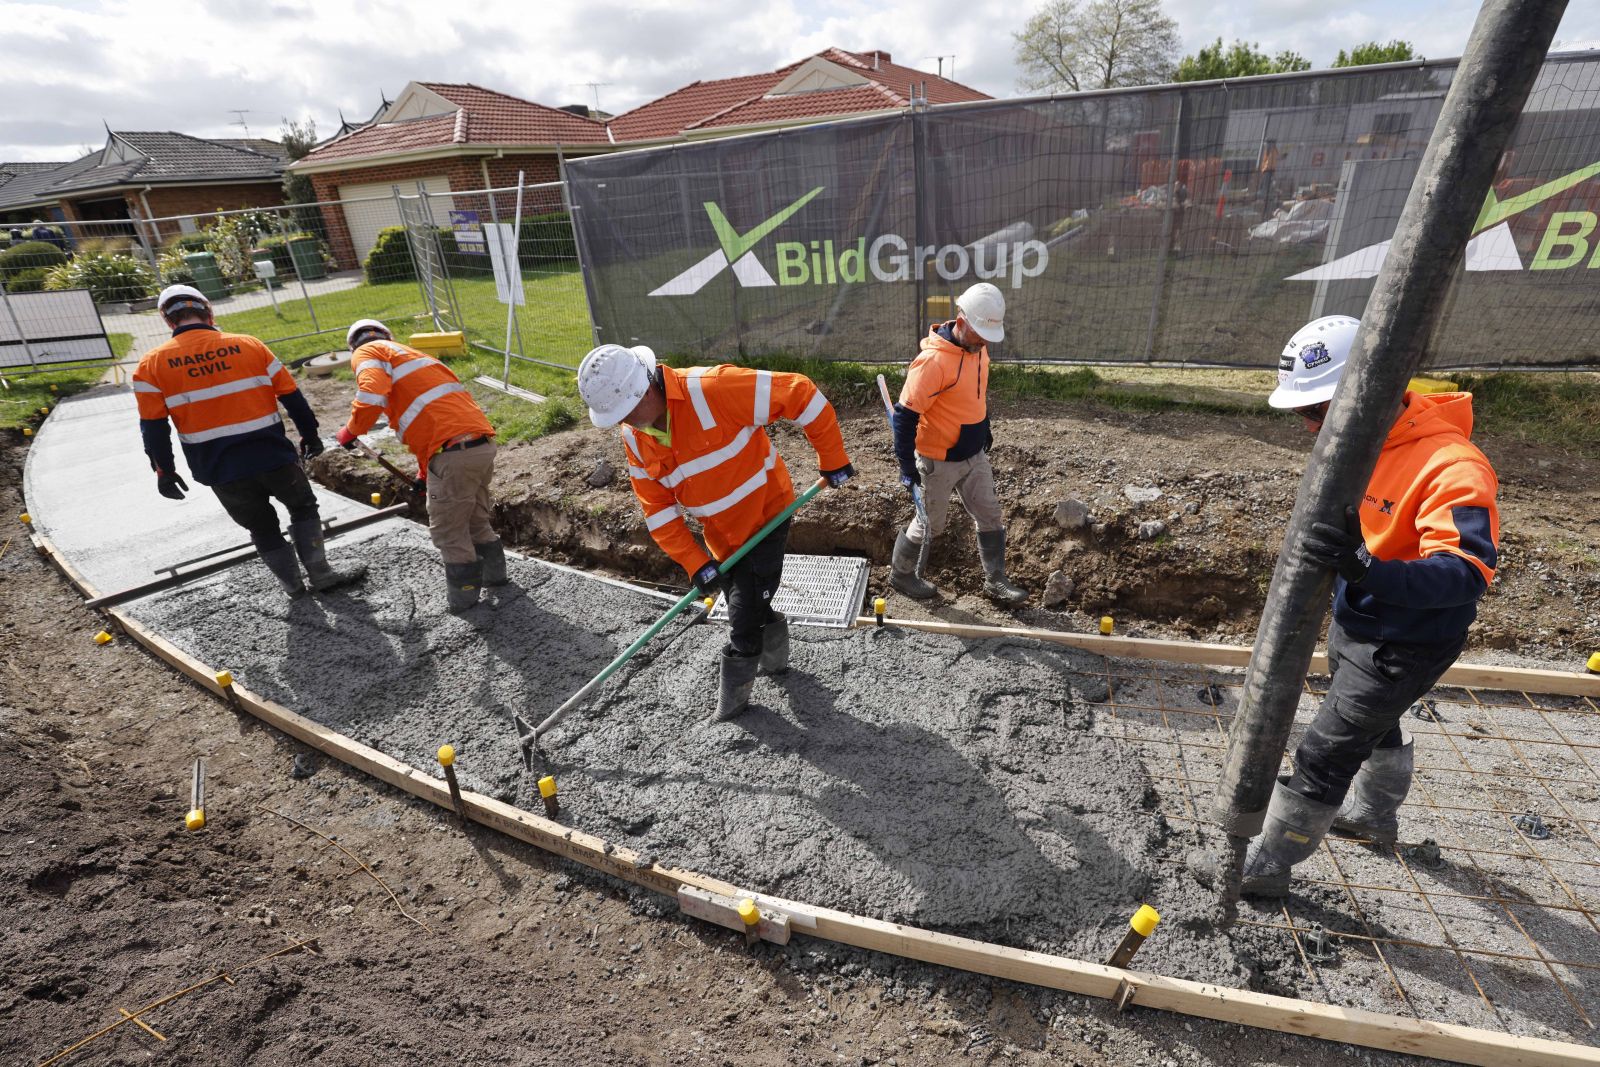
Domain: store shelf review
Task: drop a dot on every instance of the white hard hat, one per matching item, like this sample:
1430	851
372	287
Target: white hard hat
361	326
1313	362
985	309
188	294
612	380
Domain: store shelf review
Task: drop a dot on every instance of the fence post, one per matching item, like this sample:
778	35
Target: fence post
515	265
27	349
424	281
919	147
1166	234
438	253
577	243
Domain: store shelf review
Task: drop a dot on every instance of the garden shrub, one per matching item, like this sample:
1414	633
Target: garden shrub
28	255
107	277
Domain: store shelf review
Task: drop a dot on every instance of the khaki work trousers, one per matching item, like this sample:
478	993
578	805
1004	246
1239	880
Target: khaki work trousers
459	504
972	478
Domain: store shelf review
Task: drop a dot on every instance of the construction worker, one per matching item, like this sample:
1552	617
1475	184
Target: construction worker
434	416
222	390
1411	564
697	446
942	441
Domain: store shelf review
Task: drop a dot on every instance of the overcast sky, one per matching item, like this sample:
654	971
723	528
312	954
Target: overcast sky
69	67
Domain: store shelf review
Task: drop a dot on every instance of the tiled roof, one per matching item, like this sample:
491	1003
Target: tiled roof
483	117
743	101
274	149
164	156
20	182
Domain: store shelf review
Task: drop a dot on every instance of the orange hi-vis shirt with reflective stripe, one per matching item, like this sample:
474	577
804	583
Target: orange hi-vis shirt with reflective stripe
721	466
221	392
426	403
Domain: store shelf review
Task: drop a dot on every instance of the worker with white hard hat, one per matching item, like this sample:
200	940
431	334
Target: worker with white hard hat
942	440
1410	563
222	391
697	446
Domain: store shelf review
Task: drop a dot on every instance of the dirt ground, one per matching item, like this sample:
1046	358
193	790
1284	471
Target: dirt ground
1221	488
510	957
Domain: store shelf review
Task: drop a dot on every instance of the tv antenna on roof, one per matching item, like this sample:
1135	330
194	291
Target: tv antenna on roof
595	88
951	57
241	112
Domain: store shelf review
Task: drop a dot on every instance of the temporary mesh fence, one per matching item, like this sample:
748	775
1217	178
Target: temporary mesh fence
1192	224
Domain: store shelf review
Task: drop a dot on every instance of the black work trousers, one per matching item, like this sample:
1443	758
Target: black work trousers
248	502
1373	684
750	586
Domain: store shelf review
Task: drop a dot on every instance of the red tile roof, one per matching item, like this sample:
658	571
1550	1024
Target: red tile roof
484	117
742	101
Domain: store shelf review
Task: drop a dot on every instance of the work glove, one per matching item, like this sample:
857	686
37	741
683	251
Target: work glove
839	475
171	485
1340	549
345	438
909	475
709	580
311	447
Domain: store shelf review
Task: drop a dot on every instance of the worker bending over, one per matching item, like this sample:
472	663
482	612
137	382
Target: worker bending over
436	418
942	441
1411	564
697	445
222	391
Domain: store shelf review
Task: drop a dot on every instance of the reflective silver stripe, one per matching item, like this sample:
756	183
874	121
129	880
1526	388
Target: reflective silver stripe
375	363
763	397
697	393
145	387
754	482
414	364
273	367
230	430
374	399
211	392
662	517
812	410
443	389
701	464
639	472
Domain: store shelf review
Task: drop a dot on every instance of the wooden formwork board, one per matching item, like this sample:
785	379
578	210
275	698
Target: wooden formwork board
1354	1026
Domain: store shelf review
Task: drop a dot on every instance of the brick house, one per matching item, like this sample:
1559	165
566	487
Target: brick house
153	175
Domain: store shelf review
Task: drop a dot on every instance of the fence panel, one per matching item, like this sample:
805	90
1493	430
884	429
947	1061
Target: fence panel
40	330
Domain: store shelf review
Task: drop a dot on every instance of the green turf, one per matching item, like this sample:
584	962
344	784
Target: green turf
21	398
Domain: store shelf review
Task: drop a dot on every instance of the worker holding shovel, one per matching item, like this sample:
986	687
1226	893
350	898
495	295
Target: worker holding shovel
437	419
697	445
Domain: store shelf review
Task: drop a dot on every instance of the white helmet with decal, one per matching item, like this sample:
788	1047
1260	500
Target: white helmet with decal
1313	362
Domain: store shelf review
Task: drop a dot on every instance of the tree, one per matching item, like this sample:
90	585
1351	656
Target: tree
1363	55
1073	45
299	138
1240	60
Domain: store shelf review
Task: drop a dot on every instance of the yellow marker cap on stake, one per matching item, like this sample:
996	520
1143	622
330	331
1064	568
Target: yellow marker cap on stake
879	606
27	520
710	602
196	819
44	411
447	755
1144	920
1594	659
377	498
1106	624
749	914
27	431
224	678
101	638
547	786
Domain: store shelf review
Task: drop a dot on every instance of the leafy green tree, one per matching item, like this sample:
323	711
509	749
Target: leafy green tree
1073	45
299	138
1364	55
1239	60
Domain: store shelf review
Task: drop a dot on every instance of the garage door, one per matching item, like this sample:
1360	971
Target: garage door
366	219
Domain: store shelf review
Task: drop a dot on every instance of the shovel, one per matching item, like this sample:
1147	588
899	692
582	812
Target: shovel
531	740
405	479
915	490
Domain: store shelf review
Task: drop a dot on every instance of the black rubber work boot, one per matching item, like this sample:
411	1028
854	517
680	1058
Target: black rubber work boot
463	582
738	678
903	570
996	586
1371	810
307	537
492	558
775	645
1294	827
281	562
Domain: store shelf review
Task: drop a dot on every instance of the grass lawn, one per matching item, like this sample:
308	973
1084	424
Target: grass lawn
21	398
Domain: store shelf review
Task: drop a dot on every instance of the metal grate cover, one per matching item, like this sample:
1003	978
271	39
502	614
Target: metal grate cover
816	591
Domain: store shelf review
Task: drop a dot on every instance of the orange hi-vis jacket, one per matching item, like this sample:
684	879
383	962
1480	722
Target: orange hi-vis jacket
427	405
947	387
721	467
1431	526
221	391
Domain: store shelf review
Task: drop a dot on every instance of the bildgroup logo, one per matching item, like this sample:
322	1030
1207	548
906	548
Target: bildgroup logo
1565	242
886	257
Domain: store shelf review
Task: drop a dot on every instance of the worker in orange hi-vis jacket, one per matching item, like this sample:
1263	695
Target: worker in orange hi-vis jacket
437	419
222	391
697	446
1410	562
